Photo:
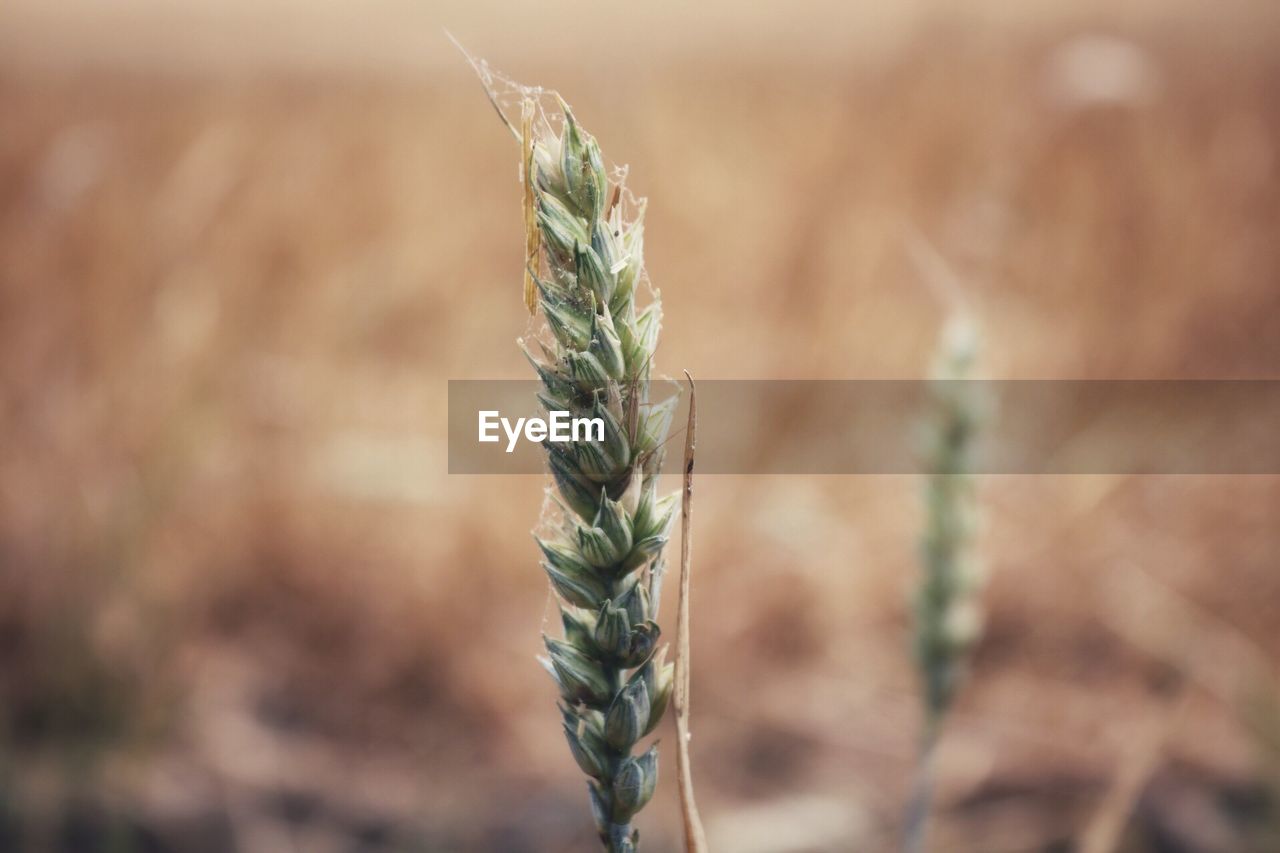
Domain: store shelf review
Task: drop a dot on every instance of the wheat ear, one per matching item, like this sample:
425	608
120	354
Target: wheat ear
584	268
948	615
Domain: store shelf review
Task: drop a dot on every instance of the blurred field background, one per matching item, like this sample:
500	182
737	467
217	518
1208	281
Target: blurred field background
243	245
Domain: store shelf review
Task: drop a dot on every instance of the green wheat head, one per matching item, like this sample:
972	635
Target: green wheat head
585	265
948	615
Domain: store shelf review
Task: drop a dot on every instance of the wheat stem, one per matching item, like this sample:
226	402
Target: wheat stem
920	802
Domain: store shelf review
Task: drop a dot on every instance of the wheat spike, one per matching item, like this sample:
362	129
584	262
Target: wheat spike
948	613
583	269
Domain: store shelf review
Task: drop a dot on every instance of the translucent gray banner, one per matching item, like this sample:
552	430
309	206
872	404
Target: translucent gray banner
877	427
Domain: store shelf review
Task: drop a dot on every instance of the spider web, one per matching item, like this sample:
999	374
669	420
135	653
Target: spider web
510	99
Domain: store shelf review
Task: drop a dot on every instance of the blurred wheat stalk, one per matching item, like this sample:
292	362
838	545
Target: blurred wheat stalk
604	555
948	614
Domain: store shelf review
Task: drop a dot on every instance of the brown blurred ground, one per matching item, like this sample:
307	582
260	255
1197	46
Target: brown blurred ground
242	605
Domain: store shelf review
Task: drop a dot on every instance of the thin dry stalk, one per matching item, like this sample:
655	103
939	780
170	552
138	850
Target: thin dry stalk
1104	832
694	837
